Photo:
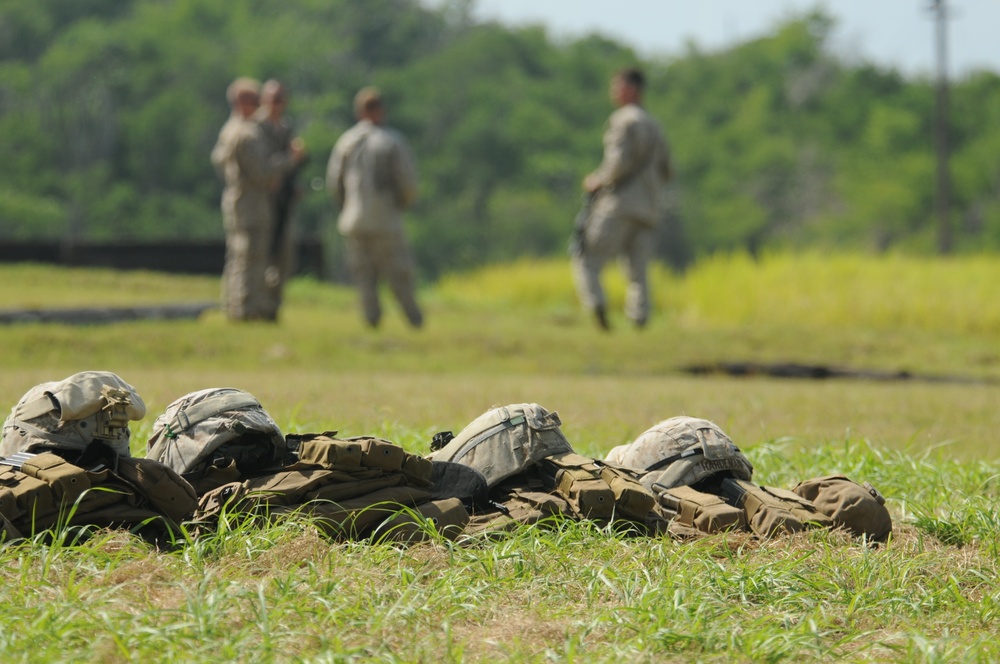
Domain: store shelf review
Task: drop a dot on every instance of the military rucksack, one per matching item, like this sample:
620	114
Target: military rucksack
211	436
352	488
533	473
505	441
66	416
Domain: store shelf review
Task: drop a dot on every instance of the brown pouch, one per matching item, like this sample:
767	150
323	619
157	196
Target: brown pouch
857	508
706	512
771	511
325	451
68	482
166	491
448	516
381	454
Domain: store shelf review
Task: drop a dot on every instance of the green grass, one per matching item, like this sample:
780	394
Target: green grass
574	593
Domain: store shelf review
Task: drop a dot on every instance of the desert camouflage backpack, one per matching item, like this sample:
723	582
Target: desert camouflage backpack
231	450
66	416
65	461
212	436
533	473
505	441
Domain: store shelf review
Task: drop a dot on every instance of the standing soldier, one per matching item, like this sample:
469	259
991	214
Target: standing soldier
626	192
372	176
280	138
251	174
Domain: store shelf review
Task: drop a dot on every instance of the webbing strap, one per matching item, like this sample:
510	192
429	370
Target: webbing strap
477	440
37	407
75	443
185	418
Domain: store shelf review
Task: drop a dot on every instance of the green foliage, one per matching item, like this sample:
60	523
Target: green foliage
108	111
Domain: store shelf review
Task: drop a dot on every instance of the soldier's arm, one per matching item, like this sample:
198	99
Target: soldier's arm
404	175
219	154
620	154
664	163
335	173
258	165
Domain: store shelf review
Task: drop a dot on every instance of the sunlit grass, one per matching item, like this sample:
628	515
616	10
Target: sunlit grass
571	592
574	592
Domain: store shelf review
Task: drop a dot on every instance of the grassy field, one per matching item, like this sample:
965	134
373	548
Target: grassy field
511	334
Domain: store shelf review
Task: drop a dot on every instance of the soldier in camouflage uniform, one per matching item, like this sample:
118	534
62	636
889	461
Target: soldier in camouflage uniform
251	174
280	138
372	176
626	190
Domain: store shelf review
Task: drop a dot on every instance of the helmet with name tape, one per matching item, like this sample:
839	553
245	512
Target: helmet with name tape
682	451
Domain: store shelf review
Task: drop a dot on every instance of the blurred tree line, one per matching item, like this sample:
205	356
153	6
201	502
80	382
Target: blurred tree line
109	109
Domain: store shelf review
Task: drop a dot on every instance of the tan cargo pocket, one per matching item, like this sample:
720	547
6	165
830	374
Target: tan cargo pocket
381	454
706	512
68	482
418	470
166	491
449	517
771	511
330	453
632	501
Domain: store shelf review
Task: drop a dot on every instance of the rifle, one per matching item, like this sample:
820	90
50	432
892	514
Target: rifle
283	208
576	240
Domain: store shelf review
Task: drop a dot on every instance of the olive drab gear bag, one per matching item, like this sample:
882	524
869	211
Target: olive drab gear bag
682	451
857	508
40	491
212	436
596	490
704	512
771	511
532	473
353	488
701	482
66	416
505	441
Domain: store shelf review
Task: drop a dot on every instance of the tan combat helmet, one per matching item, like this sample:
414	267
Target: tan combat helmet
208	426
68	415
682	451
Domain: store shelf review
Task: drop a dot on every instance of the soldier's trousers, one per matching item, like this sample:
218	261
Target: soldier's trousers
372	257
245	295
608	237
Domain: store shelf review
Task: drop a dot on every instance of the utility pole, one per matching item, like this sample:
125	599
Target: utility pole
940	11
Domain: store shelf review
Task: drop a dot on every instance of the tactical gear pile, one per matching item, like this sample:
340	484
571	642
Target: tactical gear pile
215	455
702	483
65	461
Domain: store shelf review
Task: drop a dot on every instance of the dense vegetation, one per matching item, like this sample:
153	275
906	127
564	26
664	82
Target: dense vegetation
109	108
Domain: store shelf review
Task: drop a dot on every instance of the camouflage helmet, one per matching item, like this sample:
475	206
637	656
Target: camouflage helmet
682	451
206	426
70	414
